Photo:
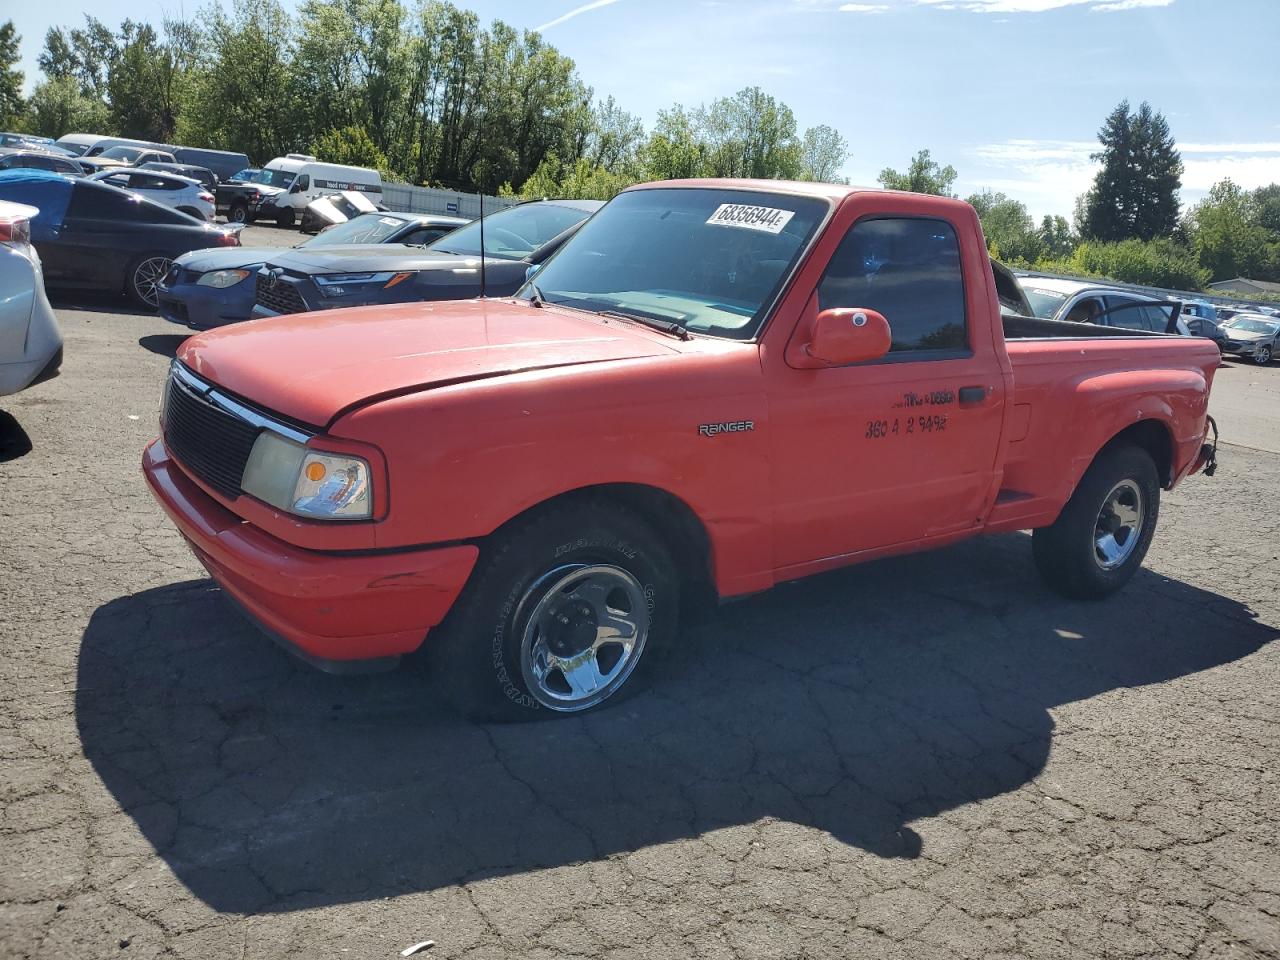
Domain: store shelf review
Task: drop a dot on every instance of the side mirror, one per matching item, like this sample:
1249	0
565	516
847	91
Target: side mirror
528	274
295	188
845	335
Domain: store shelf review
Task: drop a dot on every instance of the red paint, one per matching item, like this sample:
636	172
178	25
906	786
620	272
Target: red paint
482	410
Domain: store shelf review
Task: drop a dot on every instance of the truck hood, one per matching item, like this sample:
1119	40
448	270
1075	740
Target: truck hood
365	258
225	258
312	367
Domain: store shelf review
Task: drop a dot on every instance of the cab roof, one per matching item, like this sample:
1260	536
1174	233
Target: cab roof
807	188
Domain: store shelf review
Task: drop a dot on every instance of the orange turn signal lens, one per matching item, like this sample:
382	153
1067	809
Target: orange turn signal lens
315	472
398	278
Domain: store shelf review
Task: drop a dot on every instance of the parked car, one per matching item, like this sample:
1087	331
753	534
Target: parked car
30	343
1080	301
25	141
202	175
241	197
1251	335
357	275
224	163
170	189
712	384
18	158
116	157
102	144
210	288
334	208
310	180
93	236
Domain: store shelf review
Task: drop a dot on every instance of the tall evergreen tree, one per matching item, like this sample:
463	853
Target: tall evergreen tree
1135	194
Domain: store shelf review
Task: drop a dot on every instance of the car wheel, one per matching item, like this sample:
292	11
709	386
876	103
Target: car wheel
239	212
285	219
562	613
144	277
1263	356
1102	535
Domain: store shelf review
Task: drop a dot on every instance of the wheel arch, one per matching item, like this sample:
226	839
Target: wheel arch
670	517
1152	435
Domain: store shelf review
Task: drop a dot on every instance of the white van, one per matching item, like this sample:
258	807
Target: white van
311	179
79	142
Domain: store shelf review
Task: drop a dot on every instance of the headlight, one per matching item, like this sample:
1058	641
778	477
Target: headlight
342	284
306	482
221	278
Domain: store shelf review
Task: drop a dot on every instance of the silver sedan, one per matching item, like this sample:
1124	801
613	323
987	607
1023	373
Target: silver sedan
1252	336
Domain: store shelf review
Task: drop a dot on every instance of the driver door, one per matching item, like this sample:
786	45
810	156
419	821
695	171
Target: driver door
903	449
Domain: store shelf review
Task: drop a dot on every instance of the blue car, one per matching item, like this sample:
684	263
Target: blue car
211	288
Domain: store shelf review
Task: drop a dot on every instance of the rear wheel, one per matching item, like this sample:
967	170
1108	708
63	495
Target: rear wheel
144	276
563	613
239	213
1263	356
1100	538
285	218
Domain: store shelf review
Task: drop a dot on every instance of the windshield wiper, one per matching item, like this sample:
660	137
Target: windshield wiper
653	323
536	299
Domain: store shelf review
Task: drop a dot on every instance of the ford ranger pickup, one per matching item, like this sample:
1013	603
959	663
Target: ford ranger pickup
715	384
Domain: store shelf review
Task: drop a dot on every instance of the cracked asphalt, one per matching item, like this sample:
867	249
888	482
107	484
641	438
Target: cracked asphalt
925	757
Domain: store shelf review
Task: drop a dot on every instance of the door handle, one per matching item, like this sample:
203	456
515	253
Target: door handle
972	396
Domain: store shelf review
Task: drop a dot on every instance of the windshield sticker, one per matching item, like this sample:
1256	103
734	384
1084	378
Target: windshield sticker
765	219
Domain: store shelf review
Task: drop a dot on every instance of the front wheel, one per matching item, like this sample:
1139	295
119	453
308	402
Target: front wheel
1263	356
563	612
1100	538
144	277
285	219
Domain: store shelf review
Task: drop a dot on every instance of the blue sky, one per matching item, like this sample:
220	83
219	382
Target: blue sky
1010	92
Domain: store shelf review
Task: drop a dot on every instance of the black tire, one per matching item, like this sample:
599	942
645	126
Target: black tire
141	276
285	219
239	213
1067	553
1263	356
477	656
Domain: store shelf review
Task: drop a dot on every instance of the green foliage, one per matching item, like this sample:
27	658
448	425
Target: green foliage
57	106
351	146
1056	237
924	175
1158	263
581	180
1008	227
1235	232
750	134
822	153
11	102
1135	194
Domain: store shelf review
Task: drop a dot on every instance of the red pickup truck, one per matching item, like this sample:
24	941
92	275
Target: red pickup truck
729	383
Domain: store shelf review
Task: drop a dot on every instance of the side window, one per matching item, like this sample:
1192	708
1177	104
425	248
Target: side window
148	211
1085	310
908	270
303	183
424	235
89	202
65	166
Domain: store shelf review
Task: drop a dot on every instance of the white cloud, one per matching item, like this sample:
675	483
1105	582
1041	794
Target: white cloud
576	11
863	8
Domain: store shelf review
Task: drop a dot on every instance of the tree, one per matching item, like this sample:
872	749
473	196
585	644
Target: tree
581	180
924	175
242	98
750	134
1011	233
57	106
351	146
822	153
148	80
1056	238
1229	238
614	137
674	150
83	54
11	102
1135	194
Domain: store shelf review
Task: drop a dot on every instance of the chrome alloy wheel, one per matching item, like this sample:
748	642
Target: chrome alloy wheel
1119	525
147	276
584	633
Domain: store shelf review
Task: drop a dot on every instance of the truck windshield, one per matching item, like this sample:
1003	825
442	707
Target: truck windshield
122	153
269	178
1045	303
711	261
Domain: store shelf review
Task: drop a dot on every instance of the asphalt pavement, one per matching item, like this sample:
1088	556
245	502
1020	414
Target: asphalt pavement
925	757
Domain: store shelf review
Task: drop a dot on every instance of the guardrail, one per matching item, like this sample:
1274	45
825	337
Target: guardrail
406	198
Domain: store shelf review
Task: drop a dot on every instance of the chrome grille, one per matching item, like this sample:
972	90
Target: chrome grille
212	443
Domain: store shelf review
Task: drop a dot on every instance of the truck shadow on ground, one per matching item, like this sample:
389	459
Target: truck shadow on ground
165	344
855	703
